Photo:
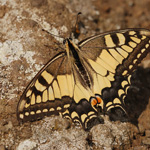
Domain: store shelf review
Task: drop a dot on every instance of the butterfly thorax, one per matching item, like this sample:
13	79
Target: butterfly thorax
73	54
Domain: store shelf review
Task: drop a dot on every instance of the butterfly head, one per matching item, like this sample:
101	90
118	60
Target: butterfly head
71	48
66	40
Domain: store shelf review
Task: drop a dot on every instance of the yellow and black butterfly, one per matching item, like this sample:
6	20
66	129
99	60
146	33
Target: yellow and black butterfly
86	79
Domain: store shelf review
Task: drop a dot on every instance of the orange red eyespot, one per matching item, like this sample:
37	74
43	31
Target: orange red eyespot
96	100
93	101
99	100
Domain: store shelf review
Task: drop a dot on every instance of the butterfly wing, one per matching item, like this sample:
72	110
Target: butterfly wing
111	58
56	89
42	95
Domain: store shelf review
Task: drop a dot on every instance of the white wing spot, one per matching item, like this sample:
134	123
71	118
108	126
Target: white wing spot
139	55
26	113
143	37
108	104
74	114
116	101
147	45
124	83
134	61
58	108
45	110
131	66
83	117
143	50
32	112
38	111
21	116
125	72
51	109
67	105
132	32
120	92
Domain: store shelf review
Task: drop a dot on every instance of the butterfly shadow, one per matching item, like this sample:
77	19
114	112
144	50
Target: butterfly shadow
137	98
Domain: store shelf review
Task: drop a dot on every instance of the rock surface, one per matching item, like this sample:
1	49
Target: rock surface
25	48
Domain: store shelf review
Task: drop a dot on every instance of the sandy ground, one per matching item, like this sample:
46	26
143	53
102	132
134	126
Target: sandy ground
25	48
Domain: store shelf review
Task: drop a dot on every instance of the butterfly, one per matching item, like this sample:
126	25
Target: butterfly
86	79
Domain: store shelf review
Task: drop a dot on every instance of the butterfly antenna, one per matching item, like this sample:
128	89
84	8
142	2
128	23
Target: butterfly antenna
52	34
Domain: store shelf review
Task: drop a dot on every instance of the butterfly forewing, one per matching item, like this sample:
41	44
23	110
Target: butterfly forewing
43	95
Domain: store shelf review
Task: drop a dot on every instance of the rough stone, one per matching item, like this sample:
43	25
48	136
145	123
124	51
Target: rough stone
25	48
26	145
147	133
146	141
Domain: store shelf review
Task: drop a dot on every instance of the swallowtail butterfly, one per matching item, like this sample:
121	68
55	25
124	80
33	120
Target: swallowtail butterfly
86	79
